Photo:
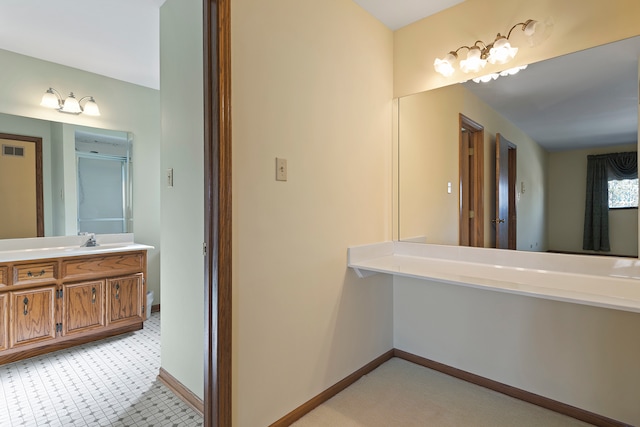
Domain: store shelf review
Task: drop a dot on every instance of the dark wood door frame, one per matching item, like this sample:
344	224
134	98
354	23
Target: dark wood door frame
217	198
39	189
471	158
505	193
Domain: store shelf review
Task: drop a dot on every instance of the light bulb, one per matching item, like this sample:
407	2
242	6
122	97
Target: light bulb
50	99
71	105
91	108
444	66
501	52
474	62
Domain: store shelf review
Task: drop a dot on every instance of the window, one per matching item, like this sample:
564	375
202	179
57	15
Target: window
623	193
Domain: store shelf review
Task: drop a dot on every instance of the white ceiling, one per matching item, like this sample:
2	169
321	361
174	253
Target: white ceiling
398	13
584	99
114	38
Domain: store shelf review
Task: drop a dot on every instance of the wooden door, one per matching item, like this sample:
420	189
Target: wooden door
83	306
125	299
471	152
21	189
4	321
505	220
32	316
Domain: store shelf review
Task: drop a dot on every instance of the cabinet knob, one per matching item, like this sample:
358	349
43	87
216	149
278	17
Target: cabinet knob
25	301
117	291
93	295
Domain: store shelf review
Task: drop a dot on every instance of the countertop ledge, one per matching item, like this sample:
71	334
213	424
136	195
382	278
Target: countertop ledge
12	250
600	281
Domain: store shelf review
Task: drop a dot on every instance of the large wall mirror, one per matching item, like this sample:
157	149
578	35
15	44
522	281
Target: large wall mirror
85	176
555	112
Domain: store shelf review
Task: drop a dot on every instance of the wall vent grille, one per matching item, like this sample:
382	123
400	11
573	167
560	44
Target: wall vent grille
12	150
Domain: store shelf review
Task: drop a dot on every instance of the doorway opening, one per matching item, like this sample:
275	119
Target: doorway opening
471	183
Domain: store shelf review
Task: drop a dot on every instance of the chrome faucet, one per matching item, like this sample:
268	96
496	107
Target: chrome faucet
91	241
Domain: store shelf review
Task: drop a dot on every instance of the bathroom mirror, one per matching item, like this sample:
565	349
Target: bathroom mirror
556	112
85	174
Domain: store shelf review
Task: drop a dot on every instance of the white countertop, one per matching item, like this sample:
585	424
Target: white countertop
65	246
599	281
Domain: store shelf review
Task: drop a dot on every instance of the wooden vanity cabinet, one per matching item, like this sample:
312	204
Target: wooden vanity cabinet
4	321
51	304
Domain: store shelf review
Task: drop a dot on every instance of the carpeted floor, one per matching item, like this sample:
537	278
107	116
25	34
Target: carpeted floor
403	394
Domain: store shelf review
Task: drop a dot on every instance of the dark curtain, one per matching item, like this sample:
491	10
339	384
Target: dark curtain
596	214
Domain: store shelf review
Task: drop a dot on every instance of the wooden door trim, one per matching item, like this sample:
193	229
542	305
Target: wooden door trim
476	238
513	213
39	192
217	215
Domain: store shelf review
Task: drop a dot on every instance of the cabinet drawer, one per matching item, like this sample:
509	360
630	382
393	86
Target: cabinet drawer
106	265
4	277
34	273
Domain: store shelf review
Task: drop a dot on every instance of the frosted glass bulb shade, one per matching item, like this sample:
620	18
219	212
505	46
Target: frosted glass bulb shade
71	105
501	52
444	66
530	28
474	62
50	100
91	108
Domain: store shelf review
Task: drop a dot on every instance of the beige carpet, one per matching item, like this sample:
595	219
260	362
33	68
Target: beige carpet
401	393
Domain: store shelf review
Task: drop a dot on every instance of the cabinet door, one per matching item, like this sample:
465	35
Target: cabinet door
82	307
124	299
4	323
32	316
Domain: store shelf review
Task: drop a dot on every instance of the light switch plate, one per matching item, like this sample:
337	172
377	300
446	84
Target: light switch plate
281	169
170	177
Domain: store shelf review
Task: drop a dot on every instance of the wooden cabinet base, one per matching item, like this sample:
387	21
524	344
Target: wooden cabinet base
56	303
14	355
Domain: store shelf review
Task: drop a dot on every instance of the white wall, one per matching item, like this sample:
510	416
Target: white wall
311	82
579	355
181	80
123	106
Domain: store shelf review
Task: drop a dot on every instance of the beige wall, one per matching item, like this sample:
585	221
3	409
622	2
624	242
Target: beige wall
182	340
428	160
124	106
312	83
583	356
568	173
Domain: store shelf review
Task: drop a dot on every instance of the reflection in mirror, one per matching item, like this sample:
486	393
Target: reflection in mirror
556	112
68	153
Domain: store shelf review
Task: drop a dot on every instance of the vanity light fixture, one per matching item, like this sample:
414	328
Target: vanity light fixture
499	51
71	105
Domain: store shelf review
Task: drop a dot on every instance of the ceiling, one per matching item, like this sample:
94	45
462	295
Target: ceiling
581	100
114	38
120	39
396	14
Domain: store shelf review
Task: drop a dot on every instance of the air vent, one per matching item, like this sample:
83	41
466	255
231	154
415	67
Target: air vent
11	150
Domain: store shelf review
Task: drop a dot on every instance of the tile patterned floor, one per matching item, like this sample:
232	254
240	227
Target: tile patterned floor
111	382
